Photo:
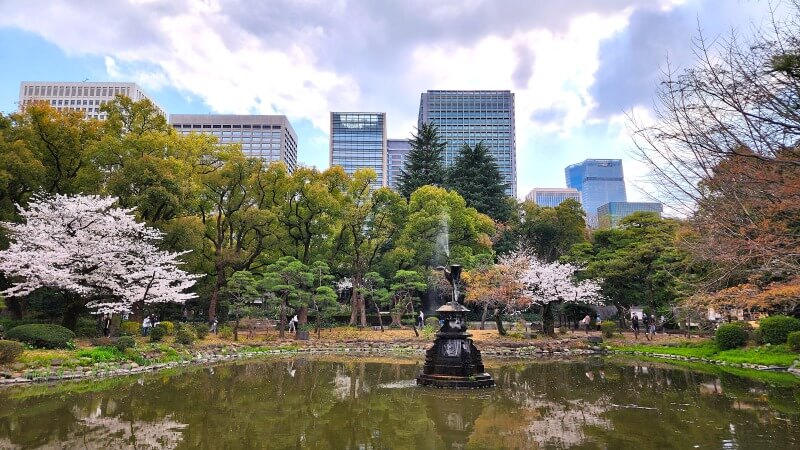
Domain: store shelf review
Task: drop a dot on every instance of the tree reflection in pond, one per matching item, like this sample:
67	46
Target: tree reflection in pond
357	403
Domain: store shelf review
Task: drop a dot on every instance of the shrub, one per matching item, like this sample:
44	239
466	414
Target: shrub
42	335
776	329
201	330
169	326
731	335
609	328
158	332
185	336
226	332
433	322
756	337
101	354
9	351
125	342
129	328
793	340
87	328
562	330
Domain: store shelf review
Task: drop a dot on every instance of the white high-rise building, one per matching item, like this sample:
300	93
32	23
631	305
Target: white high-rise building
84	96
270	137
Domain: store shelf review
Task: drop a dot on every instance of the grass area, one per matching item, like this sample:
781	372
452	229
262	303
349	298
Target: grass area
773	355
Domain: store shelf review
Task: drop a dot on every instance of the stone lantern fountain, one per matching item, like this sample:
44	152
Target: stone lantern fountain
454	361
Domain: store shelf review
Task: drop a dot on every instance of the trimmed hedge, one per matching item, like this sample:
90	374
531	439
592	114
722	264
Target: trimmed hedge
130	328
125	342
169	326
776	329
88	328
793	340
201	329
609	328
42	335
731	335
185	336
9	351
158	332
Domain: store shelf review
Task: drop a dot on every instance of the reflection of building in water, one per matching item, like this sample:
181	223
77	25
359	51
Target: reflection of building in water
347	385
112	432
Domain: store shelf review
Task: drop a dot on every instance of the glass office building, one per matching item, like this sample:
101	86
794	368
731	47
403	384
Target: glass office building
599	181
396	153
552	197
270	137
358	141
474	116
610	214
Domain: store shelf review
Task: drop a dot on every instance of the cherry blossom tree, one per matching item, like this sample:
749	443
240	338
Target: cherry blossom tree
96	255
546	284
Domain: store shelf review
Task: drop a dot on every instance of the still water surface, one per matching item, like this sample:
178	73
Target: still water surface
362	403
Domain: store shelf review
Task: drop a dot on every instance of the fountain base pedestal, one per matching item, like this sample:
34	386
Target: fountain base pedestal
454	362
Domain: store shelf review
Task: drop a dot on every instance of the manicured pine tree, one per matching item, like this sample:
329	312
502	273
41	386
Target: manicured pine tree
424	163
475	176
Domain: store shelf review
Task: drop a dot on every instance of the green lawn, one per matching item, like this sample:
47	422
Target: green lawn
774	355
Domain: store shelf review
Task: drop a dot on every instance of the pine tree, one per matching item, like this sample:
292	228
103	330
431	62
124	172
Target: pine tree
475	176
424	163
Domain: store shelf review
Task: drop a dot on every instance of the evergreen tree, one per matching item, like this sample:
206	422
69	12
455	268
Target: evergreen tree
475	176
424	163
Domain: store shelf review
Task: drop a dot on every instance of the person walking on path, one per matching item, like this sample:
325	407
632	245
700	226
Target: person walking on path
635	325
214	326
146	326
652	327
585	323
421	320
293	323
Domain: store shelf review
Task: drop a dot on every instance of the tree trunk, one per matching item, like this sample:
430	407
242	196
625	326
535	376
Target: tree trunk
396	319
236	329
362	307
498	319
547	320
71	312
14	306
380	319
353	305
282	332
220	281
302	315
484	315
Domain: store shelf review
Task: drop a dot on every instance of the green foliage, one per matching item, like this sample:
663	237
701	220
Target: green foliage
9	351
87	328
424	163
776	329
158	332
226	332
778	355
432	321
168	326
793	341
42	335
102	354
185	336
609	328
125	342
730	335
756	337
129	328
475	176
201	330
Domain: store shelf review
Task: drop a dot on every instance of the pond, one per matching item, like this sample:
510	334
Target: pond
328	403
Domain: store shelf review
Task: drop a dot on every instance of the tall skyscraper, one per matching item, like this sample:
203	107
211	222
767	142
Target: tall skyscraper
474	116
396	152
600	181
358	141
610	214
270	137
85	96
552	197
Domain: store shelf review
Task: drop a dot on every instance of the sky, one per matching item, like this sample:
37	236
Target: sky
578	68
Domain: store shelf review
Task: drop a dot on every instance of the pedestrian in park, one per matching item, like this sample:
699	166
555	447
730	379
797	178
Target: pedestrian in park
106	325
647	320
421	319
214	325
146	326
635	325
293	323
585	323
652	326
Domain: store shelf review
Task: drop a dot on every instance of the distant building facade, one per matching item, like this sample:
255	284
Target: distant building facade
610	214
552	197
471	117
270	137
86	97
599	181
396	152
358	141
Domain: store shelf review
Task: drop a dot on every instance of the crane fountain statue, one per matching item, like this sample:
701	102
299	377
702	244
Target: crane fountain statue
454	361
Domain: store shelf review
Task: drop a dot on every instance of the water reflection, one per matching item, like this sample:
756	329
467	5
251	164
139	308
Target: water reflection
300	403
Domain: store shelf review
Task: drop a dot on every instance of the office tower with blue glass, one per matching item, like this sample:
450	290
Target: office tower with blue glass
552	197
358	141
269	137
471	117
610	214
599	181
396	153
